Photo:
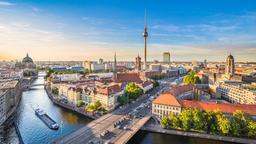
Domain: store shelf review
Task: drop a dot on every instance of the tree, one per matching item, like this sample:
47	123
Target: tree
186	118
155	83
132	91
223	124
175	121
55	91
211	122
49	72
191	78
239	123
122	99
199	122
251	128
79	103
97	105
90	108
165	122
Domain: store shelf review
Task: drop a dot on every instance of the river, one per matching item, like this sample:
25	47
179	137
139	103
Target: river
34	131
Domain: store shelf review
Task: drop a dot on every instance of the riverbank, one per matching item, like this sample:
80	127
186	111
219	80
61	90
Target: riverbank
157	129
9	123
31	128
69	107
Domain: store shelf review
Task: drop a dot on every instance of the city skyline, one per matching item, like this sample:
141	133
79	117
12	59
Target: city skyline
48	31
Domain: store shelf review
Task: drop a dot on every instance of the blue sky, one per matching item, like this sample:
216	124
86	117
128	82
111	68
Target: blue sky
90	29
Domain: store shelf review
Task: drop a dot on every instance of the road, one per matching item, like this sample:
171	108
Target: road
137	110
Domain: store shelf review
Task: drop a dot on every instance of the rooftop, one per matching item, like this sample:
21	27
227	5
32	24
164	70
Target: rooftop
166	99
176	91
8	84
224	107
128	77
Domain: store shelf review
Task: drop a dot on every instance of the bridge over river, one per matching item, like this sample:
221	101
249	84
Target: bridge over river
92	131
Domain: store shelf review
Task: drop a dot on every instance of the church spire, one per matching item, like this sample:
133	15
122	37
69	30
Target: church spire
115	62
115	68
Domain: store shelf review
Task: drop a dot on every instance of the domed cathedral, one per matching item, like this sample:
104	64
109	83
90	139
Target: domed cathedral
230	66
27	59
27	62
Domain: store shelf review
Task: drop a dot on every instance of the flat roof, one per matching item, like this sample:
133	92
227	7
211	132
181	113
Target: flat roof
8	84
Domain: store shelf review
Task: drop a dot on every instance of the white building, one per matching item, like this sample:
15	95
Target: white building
237	93
155	67
66	77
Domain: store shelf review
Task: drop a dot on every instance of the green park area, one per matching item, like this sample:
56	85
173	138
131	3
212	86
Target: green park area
191	78
212	122
132	92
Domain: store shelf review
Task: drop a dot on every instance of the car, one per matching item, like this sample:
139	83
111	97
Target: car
118	127
104	133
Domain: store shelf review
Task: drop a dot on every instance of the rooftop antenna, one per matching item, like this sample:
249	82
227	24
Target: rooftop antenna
145	18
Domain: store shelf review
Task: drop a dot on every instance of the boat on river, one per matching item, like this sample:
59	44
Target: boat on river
46	119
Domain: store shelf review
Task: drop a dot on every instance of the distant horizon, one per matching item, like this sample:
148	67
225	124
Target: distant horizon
129	61
48	30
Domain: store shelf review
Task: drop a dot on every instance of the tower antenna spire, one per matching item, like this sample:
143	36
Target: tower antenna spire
145	35
145	18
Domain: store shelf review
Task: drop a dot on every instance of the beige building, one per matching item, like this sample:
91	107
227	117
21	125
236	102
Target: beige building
108	95
164	105
237	93
73	93
166	57
10	93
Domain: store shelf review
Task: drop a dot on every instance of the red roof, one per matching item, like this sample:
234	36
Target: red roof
211	106
166	99
179	89
108	90
128	77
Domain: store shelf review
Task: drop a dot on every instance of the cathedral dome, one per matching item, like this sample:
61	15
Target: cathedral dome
27	59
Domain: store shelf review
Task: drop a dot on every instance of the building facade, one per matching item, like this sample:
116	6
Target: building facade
138	63
166	57
230	66
236	93
10	92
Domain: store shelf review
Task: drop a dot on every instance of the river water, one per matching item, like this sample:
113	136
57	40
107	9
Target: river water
34	131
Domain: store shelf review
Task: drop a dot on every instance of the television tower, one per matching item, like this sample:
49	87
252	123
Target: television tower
145	35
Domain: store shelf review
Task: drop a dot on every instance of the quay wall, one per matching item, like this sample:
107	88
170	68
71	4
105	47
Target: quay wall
158	129
70	107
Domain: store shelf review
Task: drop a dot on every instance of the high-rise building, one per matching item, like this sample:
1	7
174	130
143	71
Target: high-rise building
166	57
138	63
145	35
205	63
230	66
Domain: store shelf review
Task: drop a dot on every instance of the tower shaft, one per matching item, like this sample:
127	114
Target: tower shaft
145	53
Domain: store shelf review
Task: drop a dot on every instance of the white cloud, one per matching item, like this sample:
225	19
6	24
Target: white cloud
3	3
